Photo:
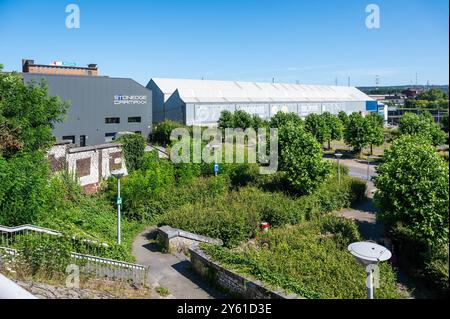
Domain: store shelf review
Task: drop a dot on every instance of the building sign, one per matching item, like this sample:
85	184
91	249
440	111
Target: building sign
61	63
130	99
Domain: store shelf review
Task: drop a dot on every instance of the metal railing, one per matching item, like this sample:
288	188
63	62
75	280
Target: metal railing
93	265
90	255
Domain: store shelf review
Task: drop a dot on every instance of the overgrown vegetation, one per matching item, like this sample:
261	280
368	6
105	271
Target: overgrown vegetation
133	147
308	259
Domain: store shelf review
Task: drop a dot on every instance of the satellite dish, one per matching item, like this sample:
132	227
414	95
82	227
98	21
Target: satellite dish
369	253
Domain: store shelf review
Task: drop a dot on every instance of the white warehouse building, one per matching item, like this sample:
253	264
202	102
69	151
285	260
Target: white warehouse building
200	102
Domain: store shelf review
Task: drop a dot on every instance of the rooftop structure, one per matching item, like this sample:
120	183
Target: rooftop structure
57	67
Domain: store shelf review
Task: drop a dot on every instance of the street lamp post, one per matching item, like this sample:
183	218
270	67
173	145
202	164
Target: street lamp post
118	175
338	156
369	254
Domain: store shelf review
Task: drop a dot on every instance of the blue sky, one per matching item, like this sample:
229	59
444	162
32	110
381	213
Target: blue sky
255	40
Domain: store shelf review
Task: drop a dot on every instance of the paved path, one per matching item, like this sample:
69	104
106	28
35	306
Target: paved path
171	271
364	213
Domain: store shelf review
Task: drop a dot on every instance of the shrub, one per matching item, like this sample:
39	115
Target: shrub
23	188
45	255
161	132
142	184
198	191
133	146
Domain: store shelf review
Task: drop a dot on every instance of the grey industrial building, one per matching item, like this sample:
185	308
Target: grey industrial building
200	102
100	106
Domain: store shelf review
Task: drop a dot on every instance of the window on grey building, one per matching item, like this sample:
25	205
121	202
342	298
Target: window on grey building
69	138
109	137
112	120
135	119
83	139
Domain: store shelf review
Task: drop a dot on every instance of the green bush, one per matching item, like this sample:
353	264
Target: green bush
133	146
198	191
23	188
161	132
142	184
45	255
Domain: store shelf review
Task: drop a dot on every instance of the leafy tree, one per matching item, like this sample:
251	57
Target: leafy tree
423	125
374	127
413	189
280	119
432	95
242	120
301	159
334	126
27	115
133	146
343	117
356	132
317	126
226	119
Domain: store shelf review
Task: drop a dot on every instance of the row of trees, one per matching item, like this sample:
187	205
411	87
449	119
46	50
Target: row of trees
431	99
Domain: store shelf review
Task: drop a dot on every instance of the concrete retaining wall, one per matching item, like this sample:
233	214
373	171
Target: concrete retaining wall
178	240
236	285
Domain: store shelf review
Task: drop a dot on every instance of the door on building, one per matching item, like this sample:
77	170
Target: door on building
82	140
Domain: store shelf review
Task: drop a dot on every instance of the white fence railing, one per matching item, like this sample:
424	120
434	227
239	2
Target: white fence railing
88	258
98	266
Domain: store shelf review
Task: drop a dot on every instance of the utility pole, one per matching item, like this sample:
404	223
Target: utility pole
348	81
336	81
